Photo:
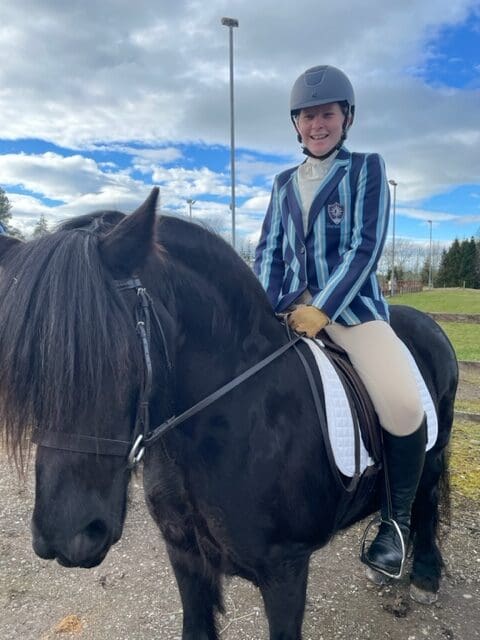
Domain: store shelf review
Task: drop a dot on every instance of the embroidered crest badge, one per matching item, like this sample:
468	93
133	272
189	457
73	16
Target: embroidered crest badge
336	212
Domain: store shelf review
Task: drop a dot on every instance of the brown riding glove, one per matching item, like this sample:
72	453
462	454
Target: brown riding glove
308	320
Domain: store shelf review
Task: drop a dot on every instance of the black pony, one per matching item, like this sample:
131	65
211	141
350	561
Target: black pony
243	487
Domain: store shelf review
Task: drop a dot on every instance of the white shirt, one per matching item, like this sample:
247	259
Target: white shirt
309	176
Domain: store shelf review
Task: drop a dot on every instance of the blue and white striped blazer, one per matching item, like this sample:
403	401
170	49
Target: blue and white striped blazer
336	259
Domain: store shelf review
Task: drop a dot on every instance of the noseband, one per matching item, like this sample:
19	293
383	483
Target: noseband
143	436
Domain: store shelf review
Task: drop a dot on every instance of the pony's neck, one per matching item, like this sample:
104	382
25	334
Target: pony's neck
222	326
219	299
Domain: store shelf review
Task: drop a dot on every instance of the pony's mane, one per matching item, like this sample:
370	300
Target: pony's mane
62	355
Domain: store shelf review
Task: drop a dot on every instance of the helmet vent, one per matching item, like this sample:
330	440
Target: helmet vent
315	76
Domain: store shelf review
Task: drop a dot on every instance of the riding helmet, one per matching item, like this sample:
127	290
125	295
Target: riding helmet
321	85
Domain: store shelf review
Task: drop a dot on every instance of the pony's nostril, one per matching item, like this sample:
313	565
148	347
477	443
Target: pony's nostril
96	531
88	547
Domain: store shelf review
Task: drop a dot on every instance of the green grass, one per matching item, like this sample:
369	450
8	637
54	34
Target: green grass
465	339
468	393
465	464
442	300
470	406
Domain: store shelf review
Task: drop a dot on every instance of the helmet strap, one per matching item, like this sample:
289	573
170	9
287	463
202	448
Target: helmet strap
307	152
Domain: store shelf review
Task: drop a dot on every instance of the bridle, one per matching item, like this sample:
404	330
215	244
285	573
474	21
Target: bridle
143	436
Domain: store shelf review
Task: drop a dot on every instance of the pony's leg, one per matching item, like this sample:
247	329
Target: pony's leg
427	559
283	587
200	594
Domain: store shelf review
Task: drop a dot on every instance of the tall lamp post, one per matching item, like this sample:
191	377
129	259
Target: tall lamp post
430	266
392	280
231	23
190	203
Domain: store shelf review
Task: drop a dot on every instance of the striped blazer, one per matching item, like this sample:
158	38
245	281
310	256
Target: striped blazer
337	257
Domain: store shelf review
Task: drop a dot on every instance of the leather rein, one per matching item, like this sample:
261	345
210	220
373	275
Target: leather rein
143	435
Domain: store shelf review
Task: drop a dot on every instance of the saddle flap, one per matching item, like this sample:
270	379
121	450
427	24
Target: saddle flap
346	417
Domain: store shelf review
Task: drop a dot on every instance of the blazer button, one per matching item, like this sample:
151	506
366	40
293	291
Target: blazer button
302	250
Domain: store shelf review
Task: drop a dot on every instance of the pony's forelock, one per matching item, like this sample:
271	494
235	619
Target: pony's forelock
67	341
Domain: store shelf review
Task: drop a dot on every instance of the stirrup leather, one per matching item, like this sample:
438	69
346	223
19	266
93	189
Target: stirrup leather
391	522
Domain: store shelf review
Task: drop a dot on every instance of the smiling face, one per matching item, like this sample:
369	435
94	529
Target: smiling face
320	127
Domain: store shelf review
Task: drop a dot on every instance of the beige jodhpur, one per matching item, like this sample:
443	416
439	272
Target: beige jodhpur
380	360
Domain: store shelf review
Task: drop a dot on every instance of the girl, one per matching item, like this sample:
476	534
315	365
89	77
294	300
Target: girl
321	240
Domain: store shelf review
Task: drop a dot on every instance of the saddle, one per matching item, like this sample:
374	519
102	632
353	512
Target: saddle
361	481
362	407
365	421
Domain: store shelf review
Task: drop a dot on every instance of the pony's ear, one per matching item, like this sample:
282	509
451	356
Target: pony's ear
127	246
6	243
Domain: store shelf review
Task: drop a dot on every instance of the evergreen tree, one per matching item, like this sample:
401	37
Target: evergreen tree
5	207
15	233
41	228
441	277
477	264
460	265
449	274
454	264
467	263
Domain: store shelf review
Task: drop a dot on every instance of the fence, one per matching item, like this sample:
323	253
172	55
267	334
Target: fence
402	286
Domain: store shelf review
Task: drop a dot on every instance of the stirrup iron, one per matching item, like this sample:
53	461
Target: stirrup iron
391	522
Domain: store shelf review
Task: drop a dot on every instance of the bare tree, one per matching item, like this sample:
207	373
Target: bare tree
41	228
410	258
5	207
246	250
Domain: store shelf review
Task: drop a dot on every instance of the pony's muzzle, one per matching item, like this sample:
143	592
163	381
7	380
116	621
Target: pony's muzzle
85	549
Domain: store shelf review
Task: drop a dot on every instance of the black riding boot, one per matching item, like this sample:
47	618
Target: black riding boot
405	457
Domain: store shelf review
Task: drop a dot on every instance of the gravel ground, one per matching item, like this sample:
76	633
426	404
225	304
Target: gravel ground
133	595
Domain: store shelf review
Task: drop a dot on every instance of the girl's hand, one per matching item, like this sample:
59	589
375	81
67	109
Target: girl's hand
308	320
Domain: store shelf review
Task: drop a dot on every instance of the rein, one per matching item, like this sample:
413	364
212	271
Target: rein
144	436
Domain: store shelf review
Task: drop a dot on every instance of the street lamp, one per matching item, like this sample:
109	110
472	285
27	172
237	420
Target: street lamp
430	281
392	281
190	203
231	23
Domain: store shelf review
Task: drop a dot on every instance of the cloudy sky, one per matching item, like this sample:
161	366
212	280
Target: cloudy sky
101	100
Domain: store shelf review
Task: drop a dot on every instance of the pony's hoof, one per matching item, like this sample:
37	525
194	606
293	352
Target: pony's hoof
376	577
421	596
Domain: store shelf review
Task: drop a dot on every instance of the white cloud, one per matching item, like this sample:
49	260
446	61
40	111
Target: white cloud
419	214
51	175
182	183
257	203
107	72
26	210
249	167
141	78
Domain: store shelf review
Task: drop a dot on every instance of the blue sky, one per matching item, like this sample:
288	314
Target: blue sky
100	102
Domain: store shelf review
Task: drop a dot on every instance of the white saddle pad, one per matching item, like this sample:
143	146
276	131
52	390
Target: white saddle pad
339	416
